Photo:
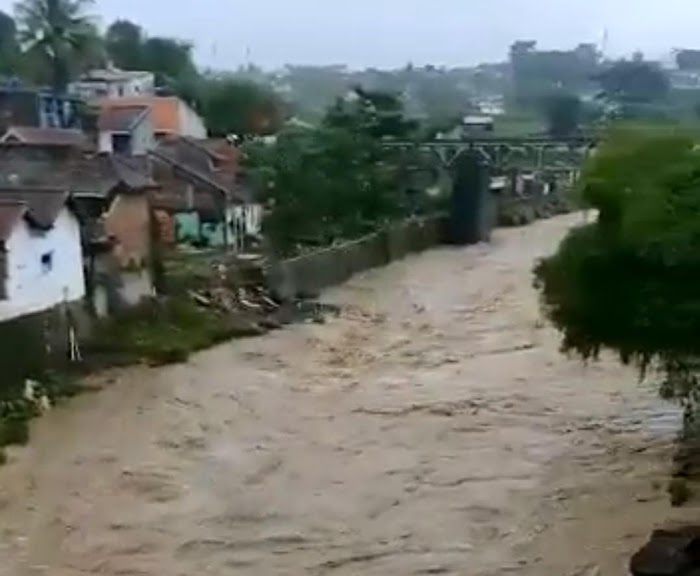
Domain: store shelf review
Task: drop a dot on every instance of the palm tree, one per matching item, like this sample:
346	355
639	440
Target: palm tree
59	32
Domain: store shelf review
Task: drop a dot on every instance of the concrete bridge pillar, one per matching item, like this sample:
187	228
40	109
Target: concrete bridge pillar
473	211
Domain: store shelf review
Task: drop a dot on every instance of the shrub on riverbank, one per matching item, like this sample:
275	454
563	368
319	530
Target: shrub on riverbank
163	332
629	281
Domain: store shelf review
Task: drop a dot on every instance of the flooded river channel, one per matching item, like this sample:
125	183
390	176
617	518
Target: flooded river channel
433	428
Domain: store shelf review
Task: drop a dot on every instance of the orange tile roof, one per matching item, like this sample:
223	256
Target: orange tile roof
165	110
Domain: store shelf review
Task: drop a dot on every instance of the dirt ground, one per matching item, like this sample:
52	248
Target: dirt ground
432	429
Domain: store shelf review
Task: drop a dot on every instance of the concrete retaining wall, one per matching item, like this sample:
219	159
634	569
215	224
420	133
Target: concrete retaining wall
31	344
307	275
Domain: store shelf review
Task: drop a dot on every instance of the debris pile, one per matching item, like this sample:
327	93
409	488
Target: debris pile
237	287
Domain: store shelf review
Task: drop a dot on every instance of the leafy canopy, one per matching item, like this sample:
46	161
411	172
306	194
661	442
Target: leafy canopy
337	180
629	281
61	33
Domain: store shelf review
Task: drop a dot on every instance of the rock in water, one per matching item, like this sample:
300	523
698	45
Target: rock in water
669	553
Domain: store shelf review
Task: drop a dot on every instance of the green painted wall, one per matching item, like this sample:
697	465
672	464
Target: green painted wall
189	229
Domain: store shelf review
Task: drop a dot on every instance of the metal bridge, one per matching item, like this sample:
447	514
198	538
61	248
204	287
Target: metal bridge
534	152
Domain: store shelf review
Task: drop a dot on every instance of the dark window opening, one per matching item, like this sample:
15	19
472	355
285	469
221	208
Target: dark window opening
47	262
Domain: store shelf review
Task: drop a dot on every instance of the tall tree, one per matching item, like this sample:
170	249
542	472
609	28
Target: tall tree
60	32
634	82
563	113
628	281
240	107
339	180
169	59
9	47
124	43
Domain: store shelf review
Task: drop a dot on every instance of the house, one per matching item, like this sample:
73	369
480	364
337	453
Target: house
41	259
170	115
477	125
112	195
22	106
113	83
200	191
126	130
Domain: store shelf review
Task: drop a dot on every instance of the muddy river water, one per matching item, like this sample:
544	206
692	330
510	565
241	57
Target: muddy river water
433	428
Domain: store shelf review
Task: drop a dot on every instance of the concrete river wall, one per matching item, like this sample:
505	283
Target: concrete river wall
307	275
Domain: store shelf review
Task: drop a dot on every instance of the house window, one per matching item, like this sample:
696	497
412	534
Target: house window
46	262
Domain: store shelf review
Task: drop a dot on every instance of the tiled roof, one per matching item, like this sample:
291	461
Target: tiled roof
32	136
83	176
194	161
120	119
133	172
39	207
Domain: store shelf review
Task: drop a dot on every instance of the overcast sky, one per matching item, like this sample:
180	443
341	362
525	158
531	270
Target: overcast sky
389	33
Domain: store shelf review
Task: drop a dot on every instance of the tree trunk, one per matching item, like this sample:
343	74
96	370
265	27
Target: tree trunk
58	63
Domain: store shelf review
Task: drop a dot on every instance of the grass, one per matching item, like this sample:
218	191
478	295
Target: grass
166	332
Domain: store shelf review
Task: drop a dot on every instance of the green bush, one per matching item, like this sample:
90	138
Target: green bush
630	280
166	332
14	430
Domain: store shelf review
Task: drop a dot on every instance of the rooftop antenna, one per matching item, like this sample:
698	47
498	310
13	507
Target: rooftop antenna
604	45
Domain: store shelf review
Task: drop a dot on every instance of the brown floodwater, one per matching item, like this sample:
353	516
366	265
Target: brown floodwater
433	428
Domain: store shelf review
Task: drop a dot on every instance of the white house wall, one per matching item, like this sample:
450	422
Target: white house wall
191	123
142	138
33	287
105	142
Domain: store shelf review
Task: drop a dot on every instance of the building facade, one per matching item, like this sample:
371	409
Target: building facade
113	83
41	254
21	106
125	130
171	116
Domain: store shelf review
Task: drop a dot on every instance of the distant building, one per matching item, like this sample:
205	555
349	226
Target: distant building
36	108
113	83
111	194
41	260
126	130
688	59
170	115
685	79
472	125
492	106
201	198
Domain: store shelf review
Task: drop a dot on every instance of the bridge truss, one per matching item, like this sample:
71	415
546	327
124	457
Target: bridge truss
537	153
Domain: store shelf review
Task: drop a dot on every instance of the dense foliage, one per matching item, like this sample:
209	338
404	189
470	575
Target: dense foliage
629	281
634	82
338	180
58	37
536	73
564	113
